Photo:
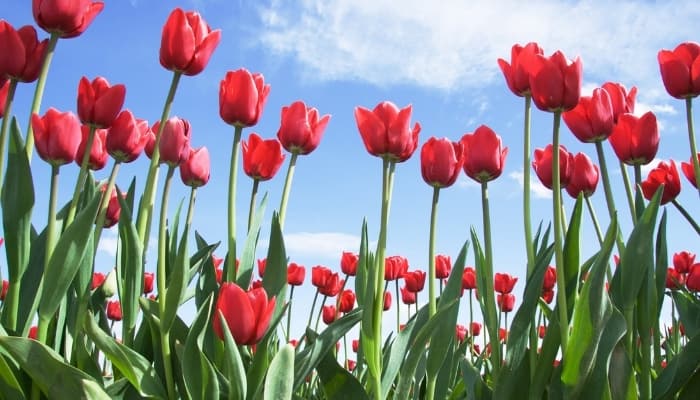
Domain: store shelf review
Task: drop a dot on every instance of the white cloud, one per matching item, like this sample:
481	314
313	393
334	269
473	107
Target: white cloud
658	109
108	243
456	44
329	245
536	187
467	183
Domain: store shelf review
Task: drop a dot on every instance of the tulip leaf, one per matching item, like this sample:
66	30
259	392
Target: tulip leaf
572	250
177	284
245	272
365	292
199	375
275	279
9	386
280	375
545	360
688	307
49	372
235	370
475	386
661	264
678	371
172	240
206	283
338	383
129	270
133	366
487	301
31	284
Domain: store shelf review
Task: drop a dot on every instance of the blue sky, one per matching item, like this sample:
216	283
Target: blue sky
338	54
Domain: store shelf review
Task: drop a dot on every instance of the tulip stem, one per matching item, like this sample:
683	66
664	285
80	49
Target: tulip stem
39	92
80	182
311	313
526	187
686	215
558	245
628	190
691	138
51	222
320	312
287	188
471	321
230	267
398	317
488	292
104	203
610	201
598	232
289	312
251	209
12	88
432	305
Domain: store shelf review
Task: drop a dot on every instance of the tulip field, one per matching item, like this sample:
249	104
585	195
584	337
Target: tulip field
583	326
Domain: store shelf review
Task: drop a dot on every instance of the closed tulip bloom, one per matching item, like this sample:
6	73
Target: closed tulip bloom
98	152
475	329
187	42
517	73
407	296
148	282
541	331
97	279
242	97
441	162
261	158
395	267
67	18
151	141
555	82
542	164
686	167
635	140
504	283
386	131
506	302
114	310
175	141
328	313
550	278
387	301
57	136
301	128
592	119
247	314
547	296
584	177
674	280
114	208
347	301
195	170
127	137
295	274
99	103
414	280
692	280
348	263
682	261
443	266
469	278
262	265
355	345
320	275
460	332
4	89
665	174
22	54
484	154
621	100
680	70
332	286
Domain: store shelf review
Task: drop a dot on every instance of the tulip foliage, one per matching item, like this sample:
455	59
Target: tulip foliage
574	327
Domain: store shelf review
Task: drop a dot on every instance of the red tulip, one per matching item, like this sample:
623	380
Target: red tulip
395	267
469	278
502	334
216	261
114	209
187	42
460	332
5	288
475	329
443	266
175	141
4	89
98	152
242	96
635	140
408	296
127	137
547	296
555	82
542	164
680	70
99	103
592	119
195	170
33	332
22	54
484	154
387	301
541	331
301	128
506	301
295	274
414	280
261	158
57	136
348	263
674	280
351	365
621	100
692	281
517	73
328	314
247	314
327	282
355	345
151	140
550	279
148	282
682	261
347	301
66	18
319	275
386	131
114	310
584	176
441	161
98	279
687	168
504	283
666	175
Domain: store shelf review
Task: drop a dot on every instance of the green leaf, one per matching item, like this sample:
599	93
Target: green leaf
280	376
623	382
130	269
338	383
198	372
275	279
550	348
31	285
9	385
49	372
365	292
473	383
66	259
572	245
661	263
245	272
688	307
133	366
177	284
235	371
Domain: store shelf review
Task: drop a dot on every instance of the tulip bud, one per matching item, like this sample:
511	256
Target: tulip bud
242	96
99	103
174	145
187	42
57	136
301	128
195	170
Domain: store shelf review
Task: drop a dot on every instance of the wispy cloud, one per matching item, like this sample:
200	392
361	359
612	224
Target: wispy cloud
108	243
327	245
536	187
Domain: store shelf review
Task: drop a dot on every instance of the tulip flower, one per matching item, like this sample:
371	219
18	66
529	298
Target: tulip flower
506	302
541	331
692	280
295	274
542	164
550	278
114	310
262	264
504	283
151	140
347	301
22	53
98	150
65	18
635	140
686	167
127	137
584	176
621	100
351	364
460	332
441	161
319	275
328	313
592	119
247	314
469	278
408	296
301	128
187	42
502	334
327	282
194	171
57	136
555	82
665	174
175	141
680	70
484	155
97	279
443	266
517	73
387	301
261	158
475	328
113	208
355	345
242	97
99	103
414	280
547	296
395	267
386	131
148	282
682	261
5	288
674	280
4	90
348	263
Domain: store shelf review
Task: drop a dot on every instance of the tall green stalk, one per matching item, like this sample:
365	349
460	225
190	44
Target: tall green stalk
609	200
289	313
5	126
558	235
598	232
527	223
686	215
39	92
432	307
80	182
628	191
251	208
488	264
287	188
691	139
230	266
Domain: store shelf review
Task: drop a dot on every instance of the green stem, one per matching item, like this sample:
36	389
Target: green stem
230	267
598	232
558	236
686	215
629	335
637	175
563	218
251	208
628	191
5	126
320	312
51	221
287	188
39	92
645	376
432	305
489	295
471	321
526	187
609	200
311	313
398	317
430	387
80	182
289	313
675	339
691	138
104	203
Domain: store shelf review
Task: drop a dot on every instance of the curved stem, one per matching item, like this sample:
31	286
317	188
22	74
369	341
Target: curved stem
526	187
558	236
398	317
80	182
598	232
691	138
320	312
628	191
251	208
489	295
287	188
104	203
432	305
39	92
5	126
230	267
686	215
311	313
609	200
289	313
